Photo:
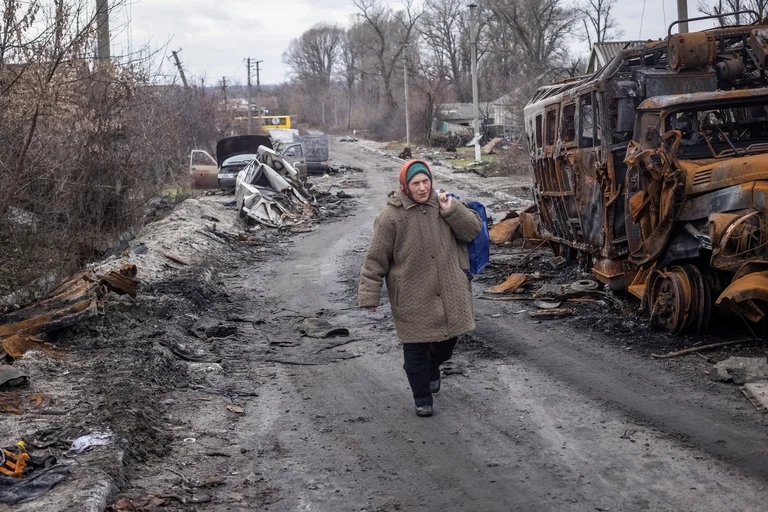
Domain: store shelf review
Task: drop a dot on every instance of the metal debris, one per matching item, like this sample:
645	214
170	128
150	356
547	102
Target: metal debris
269	191
551	313
77	299
504	231
655	168
510	285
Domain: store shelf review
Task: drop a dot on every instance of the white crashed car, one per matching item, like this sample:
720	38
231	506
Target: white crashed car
269	191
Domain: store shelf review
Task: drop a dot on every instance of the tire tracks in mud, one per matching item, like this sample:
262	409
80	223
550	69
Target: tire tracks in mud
531	416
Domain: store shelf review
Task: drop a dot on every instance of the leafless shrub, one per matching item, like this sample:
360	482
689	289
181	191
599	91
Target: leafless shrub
512	161
85	144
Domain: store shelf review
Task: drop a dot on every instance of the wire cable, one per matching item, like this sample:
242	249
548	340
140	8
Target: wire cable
642	16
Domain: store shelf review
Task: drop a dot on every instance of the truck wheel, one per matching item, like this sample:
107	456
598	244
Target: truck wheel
680	300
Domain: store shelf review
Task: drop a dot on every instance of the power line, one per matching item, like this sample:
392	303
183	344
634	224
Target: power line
642	16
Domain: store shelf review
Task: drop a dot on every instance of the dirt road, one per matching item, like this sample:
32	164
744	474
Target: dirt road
532	416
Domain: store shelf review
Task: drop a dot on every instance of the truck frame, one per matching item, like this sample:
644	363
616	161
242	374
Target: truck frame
654	172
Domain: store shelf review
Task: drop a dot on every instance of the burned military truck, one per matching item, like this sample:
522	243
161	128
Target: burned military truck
655	171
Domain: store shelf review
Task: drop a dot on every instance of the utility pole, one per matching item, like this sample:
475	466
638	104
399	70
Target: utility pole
102	29
180	68
473	56
682	14
258	94
250	88
405	83
224	88
323	104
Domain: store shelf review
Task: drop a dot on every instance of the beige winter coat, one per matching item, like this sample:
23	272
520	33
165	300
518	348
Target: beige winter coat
421	253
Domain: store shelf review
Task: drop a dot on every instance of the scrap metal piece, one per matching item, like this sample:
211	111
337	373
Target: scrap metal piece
75	300
747	296
544	304
122	281
584	285
510	285
504	231
551	313
19	344
268	191
549	291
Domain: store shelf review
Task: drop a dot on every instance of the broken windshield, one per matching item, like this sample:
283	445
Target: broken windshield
714	131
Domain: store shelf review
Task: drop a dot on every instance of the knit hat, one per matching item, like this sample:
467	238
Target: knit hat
410	169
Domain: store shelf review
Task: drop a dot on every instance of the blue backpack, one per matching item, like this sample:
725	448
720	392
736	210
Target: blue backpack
480	248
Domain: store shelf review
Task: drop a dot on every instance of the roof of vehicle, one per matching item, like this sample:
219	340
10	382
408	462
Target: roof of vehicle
673	100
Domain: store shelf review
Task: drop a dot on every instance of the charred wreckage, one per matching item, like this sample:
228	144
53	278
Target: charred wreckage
654	171
270	187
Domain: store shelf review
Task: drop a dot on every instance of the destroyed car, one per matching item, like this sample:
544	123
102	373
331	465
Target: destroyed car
232	155
315	152
314	148
269	191
203	171
654	171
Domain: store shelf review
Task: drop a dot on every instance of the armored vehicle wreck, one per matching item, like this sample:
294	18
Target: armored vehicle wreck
654	170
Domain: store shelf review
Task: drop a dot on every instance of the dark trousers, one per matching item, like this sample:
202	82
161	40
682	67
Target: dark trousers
422	364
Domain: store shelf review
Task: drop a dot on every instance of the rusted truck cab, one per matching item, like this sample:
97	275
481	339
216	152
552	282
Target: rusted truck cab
696	207
654	171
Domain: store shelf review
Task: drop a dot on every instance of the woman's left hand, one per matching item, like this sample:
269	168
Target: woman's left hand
444	200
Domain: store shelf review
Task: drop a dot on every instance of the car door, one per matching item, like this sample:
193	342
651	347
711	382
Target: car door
294	155
203	171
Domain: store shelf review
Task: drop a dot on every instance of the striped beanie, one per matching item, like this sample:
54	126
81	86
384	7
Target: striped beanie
410	169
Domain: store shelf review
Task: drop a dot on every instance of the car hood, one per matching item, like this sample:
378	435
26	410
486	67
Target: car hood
240	145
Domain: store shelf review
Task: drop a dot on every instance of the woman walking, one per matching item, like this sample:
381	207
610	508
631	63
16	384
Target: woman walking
418	248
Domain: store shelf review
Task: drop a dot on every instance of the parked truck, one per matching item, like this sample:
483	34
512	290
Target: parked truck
654	171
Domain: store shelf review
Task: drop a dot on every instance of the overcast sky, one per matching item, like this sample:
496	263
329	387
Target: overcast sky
216	36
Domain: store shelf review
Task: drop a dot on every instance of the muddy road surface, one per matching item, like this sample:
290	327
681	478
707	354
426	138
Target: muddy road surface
532	416
562	415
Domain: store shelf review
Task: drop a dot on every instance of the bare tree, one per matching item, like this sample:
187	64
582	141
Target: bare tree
313	57
727	6
442	32
599	22
431	83
541	29
350	64
389	29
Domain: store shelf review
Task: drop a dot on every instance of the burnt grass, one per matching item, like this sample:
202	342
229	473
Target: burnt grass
126	370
